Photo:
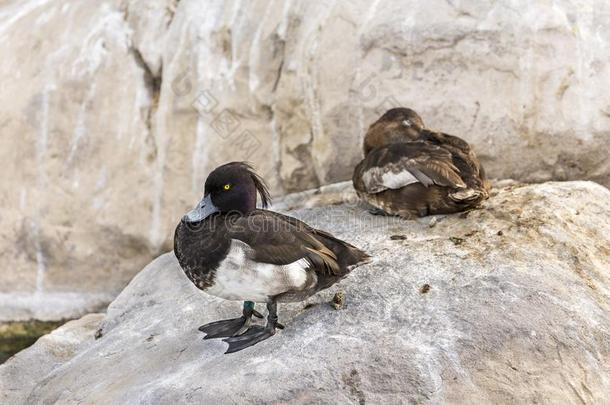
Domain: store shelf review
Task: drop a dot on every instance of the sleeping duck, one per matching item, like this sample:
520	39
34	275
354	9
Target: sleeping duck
411	171
232	250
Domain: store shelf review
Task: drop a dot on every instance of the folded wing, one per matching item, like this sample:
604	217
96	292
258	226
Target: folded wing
399	164
278	239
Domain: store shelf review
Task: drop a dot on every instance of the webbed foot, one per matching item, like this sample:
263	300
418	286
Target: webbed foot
256	333
378	211
231	327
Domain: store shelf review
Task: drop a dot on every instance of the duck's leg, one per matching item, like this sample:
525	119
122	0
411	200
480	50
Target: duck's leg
256	333
231	327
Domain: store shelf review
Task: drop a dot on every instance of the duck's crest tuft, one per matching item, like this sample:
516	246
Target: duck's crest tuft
259	183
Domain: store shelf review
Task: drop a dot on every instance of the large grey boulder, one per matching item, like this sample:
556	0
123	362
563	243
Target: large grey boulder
77	145
505	304
114	112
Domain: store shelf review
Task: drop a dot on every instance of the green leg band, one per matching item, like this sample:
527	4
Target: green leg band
248	305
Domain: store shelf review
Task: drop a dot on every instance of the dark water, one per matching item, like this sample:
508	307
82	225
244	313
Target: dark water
16	336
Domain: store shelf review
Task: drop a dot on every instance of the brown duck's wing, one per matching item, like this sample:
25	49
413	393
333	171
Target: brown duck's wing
465	159
278	239
443	139
399	164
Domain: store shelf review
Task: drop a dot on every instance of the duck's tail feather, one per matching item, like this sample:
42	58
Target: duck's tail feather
362	259
467	195
348	255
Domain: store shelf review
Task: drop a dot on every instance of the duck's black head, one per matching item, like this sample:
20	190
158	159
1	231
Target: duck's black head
396	125
230	188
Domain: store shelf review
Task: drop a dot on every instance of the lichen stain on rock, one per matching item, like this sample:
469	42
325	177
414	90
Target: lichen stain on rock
352	381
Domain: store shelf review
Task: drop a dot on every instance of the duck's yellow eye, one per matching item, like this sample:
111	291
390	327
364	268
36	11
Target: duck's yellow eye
227	187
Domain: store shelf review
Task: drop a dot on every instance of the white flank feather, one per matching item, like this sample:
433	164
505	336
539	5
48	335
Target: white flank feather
398	180
239	278
377	179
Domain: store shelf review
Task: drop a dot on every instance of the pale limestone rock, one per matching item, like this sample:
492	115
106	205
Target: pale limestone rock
507	304
113	113
78	156
28	368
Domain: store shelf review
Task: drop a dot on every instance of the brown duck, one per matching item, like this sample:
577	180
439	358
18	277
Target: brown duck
411	171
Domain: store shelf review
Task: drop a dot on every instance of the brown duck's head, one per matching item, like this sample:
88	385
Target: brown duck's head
396	125
230	188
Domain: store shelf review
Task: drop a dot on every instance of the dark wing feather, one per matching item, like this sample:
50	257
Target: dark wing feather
443	139
464	157
277	240
347	255
399	164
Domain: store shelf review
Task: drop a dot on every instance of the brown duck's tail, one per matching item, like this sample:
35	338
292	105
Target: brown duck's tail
348	256
468	195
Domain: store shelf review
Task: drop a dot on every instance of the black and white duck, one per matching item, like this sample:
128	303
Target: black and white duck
411	171
232	250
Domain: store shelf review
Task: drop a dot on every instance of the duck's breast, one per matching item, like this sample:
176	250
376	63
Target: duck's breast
240	278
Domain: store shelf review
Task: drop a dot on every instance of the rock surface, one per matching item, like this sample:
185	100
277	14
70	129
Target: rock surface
117	111
506	304
29	367
78	156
